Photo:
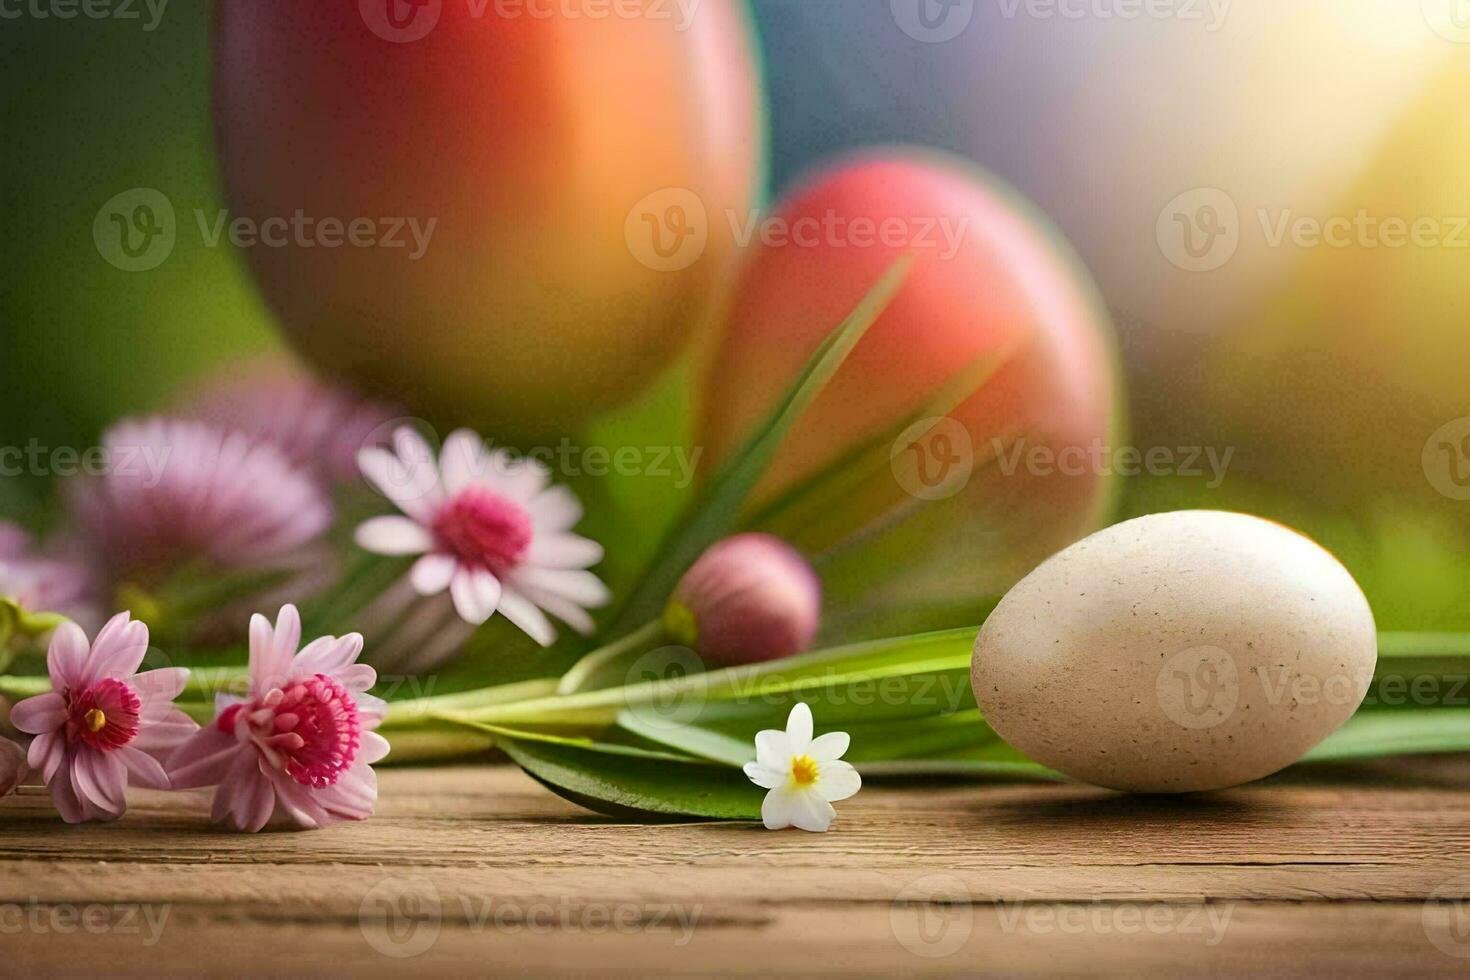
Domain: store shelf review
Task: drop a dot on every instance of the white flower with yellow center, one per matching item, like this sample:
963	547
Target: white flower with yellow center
805	776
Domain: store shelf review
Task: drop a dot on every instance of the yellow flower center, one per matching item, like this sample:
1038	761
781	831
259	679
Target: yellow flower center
804	770
95	719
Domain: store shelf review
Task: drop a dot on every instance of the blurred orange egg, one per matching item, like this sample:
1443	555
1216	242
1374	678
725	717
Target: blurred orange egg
992	487
449	196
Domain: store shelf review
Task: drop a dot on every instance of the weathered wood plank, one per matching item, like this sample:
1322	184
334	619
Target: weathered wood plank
489	871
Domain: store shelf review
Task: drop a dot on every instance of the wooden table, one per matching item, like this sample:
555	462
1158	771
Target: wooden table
474	870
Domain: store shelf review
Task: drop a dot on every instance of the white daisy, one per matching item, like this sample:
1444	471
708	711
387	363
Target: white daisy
805	776
491	529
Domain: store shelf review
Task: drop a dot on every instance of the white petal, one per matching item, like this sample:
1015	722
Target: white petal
555	509
581	587
521	611
432	573
462	461
411	484
764	776
475	593
799	728
563	550
773	750
837	781
808	811
832	745
776	809
393	536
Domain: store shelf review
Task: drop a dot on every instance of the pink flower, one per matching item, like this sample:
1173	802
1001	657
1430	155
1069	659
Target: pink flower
748	598
491	529
317	425
53	585
300	746
103	725
179	491
14	541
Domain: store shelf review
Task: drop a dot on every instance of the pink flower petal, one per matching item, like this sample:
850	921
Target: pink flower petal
328	655
118	650
66	660
299	803
357	677
268	668
373	750
47	755
164	729
143	769
206	758
100	780
64	795
162	685
42	713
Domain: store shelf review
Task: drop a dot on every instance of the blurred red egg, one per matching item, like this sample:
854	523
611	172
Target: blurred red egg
453	204
1018	470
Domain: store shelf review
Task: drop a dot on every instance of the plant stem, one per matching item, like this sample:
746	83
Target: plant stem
584	673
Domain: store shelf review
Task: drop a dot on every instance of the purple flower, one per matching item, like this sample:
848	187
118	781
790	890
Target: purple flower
178	491
317	425
103	725
49	582
748	598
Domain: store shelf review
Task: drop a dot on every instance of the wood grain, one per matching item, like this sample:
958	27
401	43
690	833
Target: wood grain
1344	870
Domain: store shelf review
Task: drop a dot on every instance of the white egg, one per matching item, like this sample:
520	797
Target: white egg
1177	653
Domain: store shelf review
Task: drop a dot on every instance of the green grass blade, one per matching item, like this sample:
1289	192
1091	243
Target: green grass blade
717	510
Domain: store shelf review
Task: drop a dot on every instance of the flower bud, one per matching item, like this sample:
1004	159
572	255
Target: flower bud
748	598
13	768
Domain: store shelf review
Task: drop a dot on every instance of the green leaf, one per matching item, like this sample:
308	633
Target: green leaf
620	780
1423	645
890	669
732	742
1371	735
829	493
717	510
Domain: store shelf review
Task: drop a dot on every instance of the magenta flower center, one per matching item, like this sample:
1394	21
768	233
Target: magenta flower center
310	728
103	715
483	530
